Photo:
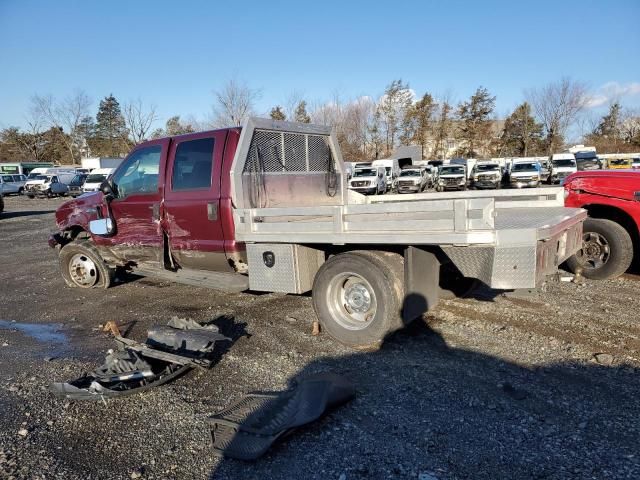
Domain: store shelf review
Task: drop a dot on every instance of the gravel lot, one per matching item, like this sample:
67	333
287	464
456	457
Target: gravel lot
543	385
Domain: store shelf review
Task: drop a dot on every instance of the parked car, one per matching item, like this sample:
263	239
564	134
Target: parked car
452	177
217	209
412	180
562	165
45	185
75	185
619	163
368	180
12	184
486	175
611	234
636	163
95	179
524	173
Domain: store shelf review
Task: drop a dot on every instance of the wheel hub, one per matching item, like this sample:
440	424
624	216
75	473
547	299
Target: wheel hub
595	250
358	298
83	271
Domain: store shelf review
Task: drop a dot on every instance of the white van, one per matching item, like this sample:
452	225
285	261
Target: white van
95	179
368	180
392	170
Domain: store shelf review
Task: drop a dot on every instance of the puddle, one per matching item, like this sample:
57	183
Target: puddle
42	332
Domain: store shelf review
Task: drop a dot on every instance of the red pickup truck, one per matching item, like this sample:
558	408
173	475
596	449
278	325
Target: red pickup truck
266	207
611	234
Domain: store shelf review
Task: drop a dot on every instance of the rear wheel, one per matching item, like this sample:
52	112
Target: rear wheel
82	267
357	297
607	250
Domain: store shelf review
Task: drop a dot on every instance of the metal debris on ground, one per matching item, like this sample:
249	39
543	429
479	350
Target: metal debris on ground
134	367
246	429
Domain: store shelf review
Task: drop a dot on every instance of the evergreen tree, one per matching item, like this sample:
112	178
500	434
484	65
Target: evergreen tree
417	122
111	132
522	135
301	114
475	122
175	126
609	126
85	134
277	113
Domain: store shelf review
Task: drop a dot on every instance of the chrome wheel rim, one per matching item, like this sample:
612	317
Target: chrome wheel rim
595	251
352	301
83	271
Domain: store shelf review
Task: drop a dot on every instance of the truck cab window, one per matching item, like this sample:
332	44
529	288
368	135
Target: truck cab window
139	173
192	165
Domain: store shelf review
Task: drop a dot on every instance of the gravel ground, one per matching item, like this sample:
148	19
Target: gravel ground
543	385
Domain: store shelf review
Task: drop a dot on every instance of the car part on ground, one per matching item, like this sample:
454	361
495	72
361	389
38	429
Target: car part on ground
607	250
168	352
246	429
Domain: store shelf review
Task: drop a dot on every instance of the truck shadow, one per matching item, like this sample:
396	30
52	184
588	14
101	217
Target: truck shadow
426	405
25	213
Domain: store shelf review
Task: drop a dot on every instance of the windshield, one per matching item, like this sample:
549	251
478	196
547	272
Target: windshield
37	177
410	173
96	178
620	161
77	180
525	167
452	171
388	170
34	176
365	172
486	168
564	163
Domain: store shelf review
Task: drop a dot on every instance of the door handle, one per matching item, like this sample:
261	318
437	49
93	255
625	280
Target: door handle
155	211
212	211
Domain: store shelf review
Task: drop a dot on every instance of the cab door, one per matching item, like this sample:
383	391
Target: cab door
138	185
191	211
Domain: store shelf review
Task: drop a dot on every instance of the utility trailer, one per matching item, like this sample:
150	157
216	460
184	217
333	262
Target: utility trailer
277	216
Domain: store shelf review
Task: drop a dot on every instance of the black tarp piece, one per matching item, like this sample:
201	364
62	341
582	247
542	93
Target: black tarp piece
169	351
246	429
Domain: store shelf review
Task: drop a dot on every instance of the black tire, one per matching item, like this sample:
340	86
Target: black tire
31	195
82	252
379	273
21	191
607	250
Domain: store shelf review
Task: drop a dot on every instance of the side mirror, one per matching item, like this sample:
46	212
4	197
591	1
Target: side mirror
103	227
107	190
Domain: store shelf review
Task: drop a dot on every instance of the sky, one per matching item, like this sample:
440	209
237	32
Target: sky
175	54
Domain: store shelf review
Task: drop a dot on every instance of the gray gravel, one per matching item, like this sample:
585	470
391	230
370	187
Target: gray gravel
537	386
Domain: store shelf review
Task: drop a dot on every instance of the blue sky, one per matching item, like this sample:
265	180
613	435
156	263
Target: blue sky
175	54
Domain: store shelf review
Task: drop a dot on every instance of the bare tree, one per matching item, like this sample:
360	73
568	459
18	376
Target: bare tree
557	106
139	119
66	115
235	101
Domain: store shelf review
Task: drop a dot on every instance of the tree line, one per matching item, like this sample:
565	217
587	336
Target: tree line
64	131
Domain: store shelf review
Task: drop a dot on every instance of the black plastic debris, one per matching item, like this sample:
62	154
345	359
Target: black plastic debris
246	429
134	367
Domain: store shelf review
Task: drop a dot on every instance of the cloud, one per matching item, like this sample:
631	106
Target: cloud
612	91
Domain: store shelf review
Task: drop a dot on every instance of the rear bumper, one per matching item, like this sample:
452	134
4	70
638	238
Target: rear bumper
528	248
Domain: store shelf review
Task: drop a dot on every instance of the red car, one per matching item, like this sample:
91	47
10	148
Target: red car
611	235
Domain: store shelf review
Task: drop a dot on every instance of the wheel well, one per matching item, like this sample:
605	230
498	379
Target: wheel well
615	214
74	232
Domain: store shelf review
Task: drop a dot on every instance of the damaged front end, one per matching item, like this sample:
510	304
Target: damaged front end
168	352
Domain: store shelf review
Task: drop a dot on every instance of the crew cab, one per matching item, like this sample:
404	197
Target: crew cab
412	180
611	236
266	207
